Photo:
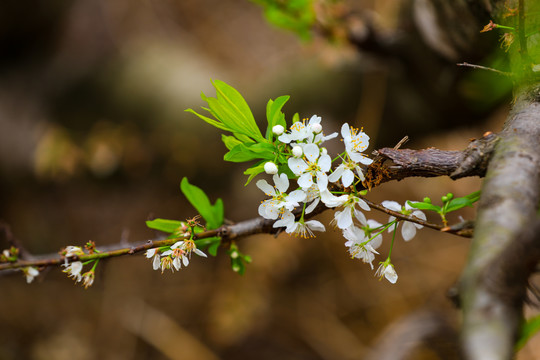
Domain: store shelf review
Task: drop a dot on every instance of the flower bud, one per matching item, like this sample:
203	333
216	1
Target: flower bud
324	151
297	151
270	168
278	130
316	128
427	200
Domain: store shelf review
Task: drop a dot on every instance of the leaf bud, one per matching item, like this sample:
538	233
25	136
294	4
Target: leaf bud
427	200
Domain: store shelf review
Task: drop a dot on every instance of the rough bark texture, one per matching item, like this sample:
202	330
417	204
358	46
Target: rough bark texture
492	299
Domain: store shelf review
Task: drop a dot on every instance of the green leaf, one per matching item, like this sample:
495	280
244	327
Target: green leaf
475	196
424	206
274	115
231	113
458	203
236	106
200	201
211	244
254	171
230	141
168	226
528	329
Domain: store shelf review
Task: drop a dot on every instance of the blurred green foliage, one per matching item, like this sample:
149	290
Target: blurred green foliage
297	16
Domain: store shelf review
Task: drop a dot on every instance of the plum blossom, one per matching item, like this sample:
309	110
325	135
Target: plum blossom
30	273
387	270
344	218
300	228
345	172
408	229
356	141
74	270
156	261
271	208
359	243
314	164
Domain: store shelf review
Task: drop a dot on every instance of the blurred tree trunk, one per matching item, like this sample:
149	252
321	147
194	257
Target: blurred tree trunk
505	247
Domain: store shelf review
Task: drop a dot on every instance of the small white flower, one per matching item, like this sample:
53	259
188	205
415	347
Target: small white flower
387	270
359	245
156	261
271	208
270	168
88	279
408	229
298	228
278	130
314	165
297	151
356	141
30	273
345	172
344	218
74	270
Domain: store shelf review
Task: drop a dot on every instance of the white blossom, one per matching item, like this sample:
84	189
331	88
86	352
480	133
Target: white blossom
271	208
387	270
30	273
314	165
156	261
74	270
408	229
356	141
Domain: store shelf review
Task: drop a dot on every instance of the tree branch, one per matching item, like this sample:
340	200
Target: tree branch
490	285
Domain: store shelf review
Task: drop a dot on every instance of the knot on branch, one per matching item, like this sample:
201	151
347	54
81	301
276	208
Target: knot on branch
472	161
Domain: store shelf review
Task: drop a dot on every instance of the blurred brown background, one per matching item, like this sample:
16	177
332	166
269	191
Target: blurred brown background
94	140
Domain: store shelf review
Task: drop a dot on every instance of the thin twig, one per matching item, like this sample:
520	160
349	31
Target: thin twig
480	67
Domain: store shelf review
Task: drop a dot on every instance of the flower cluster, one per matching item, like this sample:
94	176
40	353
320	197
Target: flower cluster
74	267
174	256
319	182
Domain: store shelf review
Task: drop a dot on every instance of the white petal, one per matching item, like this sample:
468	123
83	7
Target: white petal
185	260
297	165
199	252
347	178
312	206
331	136
325	163
408	230
359	158
343	218
305	180
311	151
360	217
390	274
282	182
333	177
363	205
315	225
286	220
151	252
296	196
285	138
391	205
322	181
360	173
419	215
345	131
266	187
177	263
156	263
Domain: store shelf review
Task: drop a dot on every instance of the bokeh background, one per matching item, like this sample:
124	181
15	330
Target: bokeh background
94	140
